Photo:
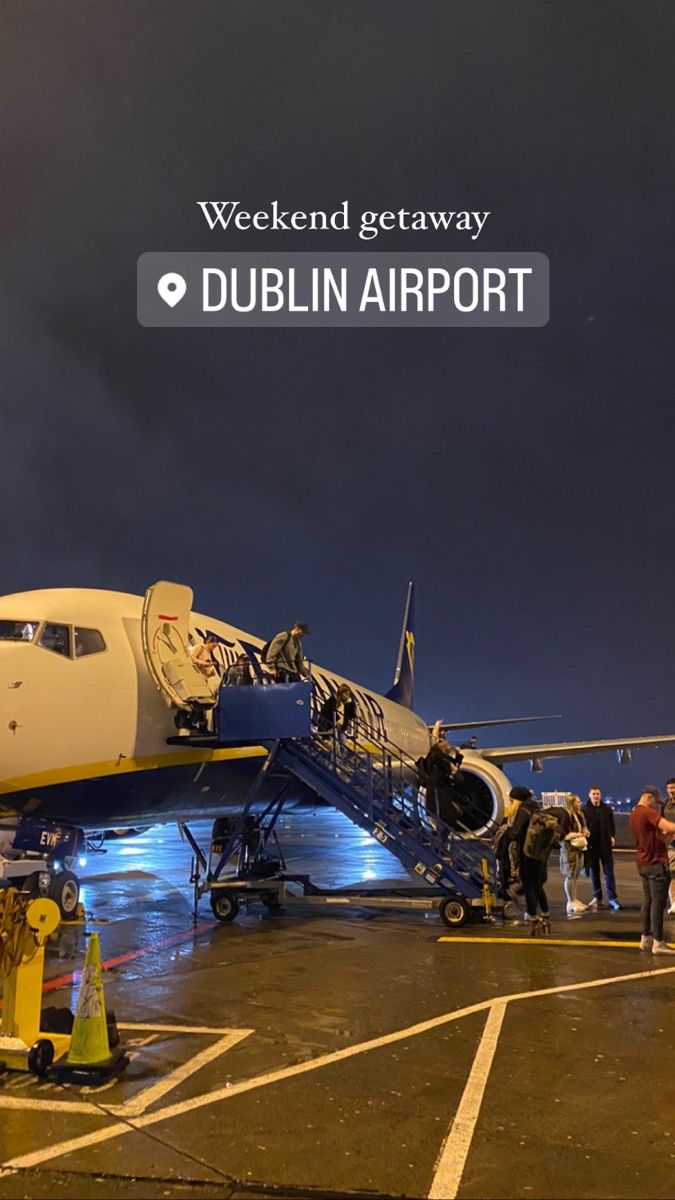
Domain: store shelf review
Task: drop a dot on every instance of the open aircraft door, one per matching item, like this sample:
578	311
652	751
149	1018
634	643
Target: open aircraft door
166	643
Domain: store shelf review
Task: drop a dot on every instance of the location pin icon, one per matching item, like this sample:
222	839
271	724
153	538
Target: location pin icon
172	287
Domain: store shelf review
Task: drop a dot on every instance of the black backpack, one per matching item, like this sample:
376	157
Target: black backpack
543	833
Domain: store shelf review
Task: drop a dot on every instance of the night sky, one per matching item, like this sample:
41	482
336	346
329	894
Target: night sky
523	478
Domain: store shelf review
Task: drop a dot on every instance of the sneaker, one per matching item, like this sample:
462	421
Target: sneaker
526	917
614	905
662	948
646	941
572	909
595	903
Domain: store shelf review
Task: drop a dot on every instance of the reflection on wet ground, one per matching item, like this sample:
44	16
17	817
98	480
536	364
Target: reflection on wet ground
324	1053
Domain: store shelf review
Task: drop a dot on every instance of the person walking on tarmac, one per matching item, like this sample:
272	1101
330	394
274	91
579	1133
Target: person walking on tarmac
536	831
572	849
523	805
600	823
285	657
648	827
669	814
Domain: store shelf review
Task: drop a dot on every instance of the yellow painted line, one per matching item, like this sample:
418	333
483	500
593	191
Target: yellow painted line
546	941
126	766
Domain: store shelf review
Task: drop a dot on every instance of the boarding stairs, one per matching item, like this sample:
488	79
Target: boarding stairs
361	773
374	784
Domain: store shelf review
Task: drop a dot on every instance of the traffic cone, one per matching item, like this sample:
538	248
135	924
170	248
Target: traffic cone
90	1055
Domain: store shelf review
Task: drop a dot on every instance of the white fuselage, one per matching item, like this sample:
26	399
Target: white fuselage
83	739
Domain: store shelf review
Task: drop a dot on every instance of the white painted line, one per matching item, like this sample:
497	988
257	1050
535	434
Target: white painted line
180	1028
226	1093
453	1153
324	1060
148	1096
34	1105
25	1161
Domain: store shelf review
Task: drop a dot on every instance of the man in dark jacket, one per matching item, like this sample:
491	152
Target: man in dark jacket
600	822
442	775
285	656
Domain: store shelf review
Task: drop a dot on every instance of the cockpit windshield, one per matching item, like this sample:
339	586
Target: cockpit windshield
18	631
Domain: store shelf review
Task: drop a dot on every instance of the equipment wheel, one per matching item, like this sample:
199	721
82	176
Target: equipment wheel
271	901
64	888
455	911
41	1056
224	906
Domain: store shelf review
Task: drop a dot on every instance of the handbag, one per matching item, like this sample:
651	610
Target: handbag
578	841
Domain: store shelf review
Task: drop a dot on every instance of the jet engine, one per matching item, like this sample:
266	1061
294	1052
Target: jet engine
482	790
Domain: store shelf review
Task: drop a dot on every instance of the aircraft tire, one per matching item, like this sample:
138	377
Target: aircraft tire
224	906
64	889
455	911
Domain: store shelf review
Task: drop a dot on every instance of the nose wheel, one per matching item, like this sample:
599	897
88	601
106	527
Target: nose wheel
64	889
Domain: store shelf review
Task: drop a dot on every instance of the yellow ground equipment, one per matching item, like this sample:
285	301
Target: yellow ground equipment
25	925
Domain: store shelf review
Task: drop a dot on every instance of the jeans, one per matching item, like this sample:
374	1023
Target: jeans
655	880
607	859
533	878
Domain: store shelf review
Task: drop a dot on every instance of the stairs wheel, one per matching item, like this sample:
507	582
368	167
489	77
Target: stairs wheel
224	905
454	911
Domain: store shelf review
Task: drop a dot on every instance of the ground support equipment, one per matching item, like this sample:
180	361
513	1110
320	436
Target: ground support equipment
371	782
25	925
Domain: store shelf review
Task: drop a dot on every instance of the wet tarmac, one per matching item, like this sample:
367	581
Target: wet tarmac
350	1052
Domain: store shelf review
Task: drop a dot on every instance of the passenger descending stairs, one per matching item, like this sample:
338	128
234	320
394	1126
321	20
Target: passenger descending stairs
374	784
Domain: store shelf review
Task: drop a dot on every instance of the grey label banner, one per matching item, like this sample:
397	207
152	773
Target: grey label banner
358	289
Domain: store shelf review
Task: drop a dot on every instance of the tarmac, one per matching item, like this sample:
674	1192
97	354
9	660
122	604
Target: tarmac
350	1051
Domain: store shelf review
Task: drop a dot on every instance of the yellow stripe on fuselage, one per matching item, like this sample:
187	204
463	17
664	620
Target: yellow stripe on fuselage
126	766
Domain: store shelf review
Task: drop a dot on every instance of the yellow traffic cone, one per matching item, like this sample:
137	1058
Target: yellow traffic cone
90	1053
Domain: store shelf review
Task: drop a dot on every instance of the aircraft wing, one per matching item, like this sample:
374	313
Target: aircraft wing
506	754
446	726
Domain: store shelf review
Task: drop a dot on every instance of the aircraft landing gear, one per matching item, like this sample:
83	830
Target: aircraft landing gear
64	889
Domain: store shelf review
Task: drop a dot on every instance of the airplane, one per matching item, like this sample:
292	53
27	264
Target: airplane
99	689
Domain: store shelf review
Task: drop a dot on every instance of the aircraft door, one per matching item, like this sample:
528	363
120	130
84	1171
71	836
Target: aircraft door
166	644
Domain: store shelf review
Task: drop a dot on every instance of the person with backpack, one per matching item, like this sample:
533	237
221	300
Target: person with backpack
283	655
535	831
441	772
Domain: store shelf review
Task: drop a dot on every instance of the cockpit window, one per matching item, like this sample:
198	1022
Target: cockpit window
56	638
88	641
18	631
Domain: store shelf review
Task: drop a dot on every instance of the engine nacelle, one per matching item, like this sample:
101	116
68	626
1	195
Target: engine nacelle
482	792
